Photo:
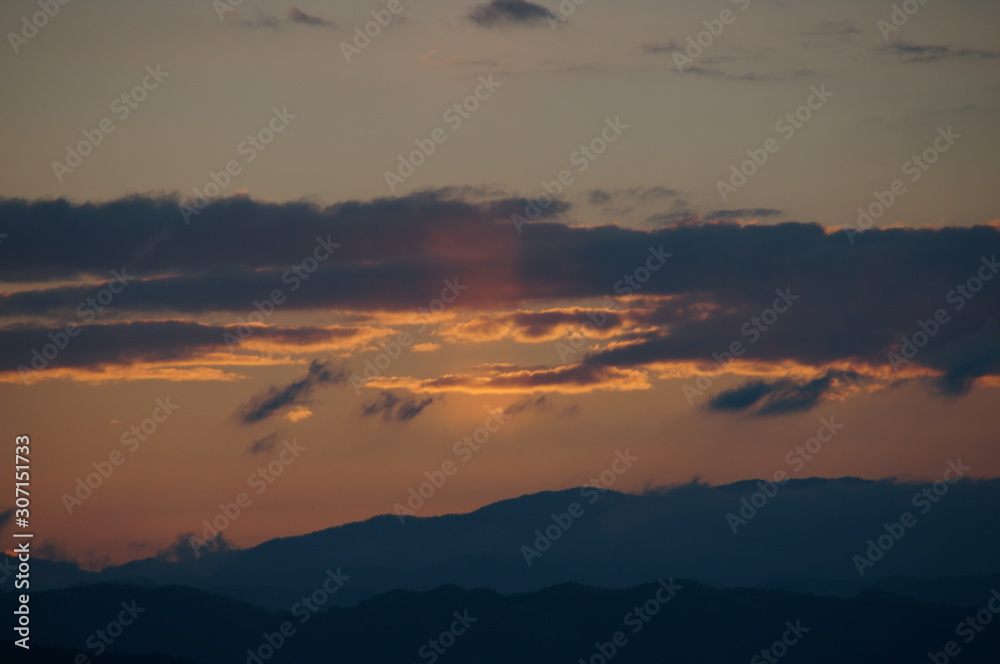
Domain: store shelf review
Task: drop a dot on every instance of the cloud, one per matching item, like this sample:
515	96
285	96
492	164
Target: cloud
742	213
96	349
686	216
918	53
395	409
780	75
265	444
296	15
571	379
825	325
603	197
298	414
660	47
537	326
434	58
277	398
673	47
180	550
542	402
781	397
262	19
967	358
509	12
840	28
54	550
851	312
376	239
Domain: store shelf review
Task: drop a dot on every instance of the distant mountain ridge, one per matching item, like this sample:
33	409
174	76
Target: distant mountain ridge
805	537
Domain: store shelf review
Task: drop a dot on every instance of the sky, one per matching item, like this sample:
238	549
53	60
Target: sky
486	246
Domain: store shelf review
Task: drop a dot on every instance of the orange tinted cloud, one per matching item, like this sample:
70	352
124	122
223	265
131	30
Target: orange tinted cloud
298	414
329	339
574	379
121	373
170	350
538	326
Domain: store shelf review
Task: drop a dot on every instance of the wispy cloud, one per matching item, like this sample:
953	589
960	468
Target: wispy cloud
839	28
180	550
264	444
570	379
261	19
601	197
296	15
780	75
920	53
395	409
781	397
661	47
543	402
277	398
509	12
435	58
687	216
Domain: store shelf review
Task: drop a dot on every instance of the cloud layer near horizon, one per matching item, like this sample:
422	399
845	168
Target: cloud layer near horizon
802	302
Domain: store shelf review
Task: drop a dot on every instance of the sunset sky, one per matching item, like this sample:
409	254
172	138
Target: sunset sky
382	322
